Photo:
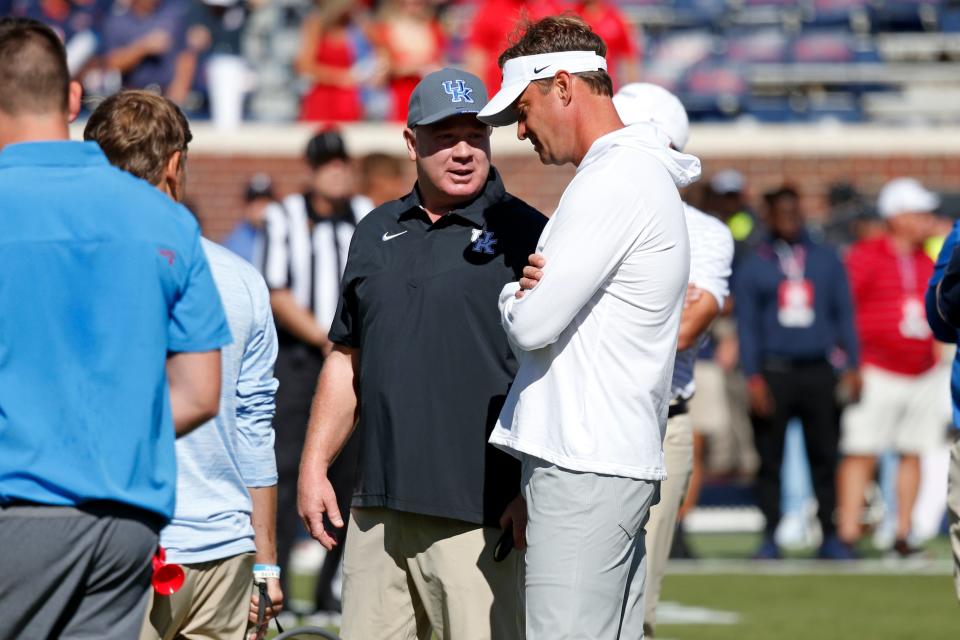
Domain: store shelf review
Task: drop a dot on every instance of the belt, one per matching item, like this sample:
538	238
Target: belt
677	408
780	364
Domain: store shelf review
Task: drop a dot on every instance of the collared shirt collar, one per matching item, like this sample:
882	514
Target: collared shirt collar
803	239
52	153
493	192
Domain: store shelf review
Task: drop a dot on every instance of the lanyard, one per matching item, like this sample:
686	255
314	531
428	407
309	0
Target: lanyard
264	603
793	260
908	275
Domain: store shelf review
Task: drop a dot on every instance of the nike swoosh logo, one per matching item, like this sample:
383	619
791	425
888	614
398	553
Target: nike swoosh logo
535	70
389	236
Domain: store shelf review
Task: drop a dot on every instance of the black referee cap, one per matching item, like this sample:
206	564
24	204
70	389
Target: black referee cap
325	146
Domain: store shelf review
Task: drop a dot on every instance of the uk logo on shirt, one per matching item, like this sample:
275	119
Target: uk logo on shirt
458	92
484	243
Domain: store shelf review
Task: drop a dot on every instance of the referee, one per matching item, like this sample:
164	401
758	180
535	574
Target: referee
420	353
307	239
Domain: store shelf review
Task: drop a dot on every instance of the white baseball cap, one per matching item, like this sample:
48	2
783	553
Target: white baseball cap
727	181
520	72
905	195
646	102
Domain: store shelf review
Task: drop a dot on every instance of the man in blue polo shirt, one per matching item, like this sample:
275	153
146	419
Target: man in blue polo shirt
109	344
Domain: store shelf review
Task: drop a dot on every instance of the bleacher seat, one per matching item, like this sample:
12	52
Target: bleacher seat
836	106
672	56
715	91
770	109
841	13
822	47
905	15
760	46
949	18
785	13
708	14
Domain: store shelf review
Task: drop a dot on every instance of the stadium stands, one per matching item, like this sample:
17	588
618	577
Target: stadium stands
766	60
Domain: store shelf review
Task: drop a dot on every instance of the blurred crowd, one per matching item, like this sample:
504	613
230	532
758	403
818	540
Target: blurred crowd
806	434
320	61
355	60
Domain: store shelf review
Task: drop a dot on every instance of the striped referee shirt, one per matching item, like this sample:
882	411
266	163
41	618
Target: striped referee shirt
306	254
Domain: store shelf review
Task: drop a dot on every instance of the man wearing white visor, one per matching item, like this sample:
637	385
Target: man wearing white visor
595	322
711	256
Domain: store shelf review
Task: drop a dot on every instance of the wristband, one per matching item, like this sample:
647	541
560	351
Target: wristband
263	571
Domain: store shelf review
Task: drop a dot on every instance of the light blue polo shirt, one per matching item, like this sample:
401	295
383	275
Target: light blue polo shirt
101	276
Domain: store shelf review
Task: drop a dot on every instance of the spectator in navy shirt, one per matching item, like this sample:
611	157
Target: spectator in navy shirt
147	44
794	311
76	22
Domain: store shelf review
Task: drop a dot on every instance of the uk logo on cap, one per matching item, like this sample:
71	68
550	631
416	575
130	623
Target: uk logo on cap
458	92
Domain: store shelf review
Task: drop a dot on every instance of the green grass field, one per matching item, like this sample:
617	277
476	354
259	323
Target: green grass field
727	596
821	607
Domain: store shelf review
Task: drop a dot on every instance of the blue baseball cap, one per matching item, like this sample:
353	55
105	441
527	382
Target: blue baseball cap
445	93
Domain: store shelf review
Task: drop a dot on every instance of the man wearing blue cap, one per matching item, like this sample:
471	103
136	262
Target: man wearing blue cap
420	358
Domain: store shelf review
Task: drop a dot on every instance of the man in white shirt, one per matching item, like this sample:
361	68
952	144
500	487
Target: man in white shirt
711	257
595	322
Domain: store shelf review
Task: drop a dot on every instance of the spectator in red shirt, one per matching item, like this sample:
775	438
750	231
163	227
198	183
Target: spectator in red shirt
903	404
410	38
493	24
328	57
623	54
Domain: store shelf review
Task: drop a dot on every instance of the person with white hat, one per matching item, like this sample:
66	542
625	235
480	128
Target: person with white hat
594	322
711	258
903	406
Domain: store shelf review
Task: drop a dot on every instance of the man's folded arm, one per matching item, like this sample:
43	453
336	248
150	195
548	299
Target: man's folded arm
586	242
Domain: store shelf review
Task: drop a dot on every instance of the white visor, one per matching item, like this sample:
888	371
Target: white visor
519	72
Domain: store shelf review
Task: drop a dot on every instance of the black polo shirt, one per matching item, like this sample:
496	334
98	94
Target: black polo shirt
419	300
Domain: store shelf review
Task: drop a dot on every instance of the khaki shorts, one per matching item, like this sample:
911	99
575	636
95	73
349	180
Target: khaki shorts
214	602
709	407
906	414
405	574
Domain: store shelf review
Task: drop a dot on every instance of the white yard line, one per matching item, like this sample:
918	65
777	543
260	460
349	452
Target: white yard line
893	566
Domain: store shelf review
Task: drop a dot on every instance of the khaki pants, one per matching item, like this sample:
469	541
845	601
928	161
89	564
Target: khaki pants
405	574
953	509
678	453
213	602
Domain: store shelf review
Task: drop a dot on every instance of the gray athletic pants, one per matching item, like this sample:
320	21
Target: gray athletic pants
585	560
74	574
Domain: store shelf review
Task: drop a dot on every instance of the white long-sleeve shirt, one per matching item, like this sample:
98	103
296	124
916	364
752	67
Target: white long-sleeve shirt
597	337
711	257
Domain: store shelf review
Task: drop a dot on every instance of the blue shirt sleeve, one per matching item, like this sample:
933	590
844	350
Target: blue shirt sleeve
256	390
943	291
842	308
748	317
197	320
